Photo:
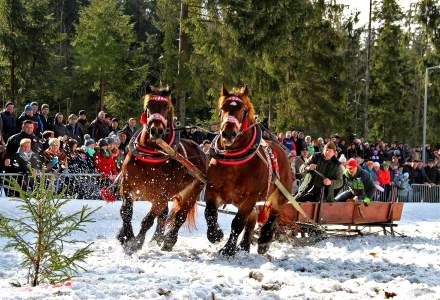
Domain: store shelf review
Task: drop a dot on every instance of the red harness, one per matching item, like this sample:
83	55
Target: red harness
240	156
151	155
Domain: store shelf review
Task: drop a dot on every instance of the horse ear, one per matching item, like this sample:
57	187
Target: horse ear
224	92
148	89
167	91
245	91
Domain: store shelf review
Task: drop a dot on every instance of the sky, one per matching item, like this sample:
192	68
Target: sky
363	7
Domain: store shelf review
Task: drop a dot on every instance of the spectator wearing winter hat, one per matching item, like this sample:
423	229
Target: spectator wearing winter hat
28	114
54	159
9	121
122	135
74	160
360	185
322	171
89	150
104	163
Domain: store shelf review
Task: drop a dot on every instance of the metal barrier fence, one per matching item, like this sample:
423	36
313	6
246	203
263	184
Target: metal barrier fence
79	186
415	193
87	186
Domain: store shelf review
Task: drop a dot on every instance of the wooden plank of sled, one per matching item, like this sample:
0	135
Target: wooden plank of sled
396	211
376	212
336	213
310	209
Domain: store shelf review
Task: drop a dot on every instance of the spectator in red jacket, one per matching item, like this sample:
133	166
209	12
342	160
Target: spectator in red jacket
384	178
104	163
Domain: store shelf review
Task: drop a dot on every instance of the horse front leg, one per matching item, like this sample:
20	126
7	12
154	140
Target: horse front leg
185	205
159	236
126	211
137	243
214	233
237	226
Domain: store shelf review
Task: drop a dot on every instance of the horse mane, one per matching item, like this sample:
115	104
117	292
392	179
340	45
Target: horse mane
160	91
242	93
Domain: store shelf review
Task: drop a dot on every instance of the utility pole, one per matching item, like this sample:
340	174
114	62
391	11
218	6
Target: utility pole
425	110
367	75
182	59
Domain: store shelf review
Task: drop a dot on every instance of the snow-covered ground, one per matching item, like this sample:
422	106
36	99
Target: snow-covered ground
360	268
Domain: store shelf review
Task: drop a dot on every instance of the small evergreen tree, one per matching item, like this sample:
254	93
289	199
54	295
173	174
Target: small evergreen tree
42	231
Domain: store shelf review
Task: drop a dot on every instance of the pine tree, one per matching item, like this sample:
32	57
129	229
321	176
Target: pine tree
106	62
42	231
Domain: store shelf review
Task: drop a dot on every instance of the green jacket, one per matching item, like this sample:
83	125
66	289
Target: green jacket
361	184
331	169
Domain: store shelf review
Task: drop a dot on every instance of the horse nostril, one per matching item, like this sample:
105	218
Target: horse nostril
224	134
153	131
233	134
160	131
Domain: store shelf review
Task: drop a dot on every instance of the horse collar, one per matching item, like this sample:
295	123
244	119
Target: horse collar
151	155
237	157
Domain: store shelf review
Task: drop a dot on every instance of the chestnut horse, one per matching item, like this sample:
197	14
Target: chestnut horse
239	175
149	174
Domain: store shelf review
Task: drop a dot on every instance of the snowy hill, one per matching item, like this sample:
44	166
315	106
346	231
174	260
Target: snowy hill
361	268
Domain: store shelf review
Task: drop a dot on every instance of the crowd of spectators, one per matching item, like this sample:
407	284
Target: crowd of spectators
389	164
56	145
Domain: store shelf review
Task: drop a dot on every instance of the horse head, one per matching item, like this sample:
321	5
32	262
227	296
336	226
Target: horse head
236	114
158	112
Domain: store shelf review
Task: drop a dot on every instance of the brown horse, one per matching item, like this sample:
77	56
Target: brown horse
150	174
237	174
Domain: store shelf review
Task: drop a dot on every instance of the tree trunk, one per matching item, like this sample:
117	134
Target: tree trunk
12	78
183	59
101	95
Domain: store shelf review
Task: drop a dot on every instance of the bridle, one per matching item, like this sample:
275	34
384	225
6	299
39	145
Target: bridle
147	118
242	125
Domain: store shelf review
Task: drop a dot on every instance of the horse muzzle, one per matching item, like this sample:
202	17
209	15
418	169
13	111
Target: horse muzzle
229	137
157	132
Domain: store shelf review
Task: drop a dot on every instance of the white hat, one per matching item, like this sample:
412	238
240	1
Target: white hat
342	159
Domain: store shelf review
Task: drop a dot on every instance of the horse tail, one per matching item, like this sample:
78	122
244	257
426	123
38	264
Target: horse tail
186	200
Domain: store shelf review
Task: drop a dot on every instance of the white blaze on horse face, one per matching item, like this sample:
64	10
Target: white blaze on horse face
231	120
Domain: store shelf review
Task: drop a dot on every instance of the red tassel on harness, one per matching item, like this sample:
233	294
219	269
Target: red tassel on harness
144	118
245	125
107	196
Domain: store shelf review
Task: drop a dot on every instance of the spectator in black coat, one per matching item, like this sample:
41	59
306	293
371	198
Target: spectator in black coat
46	121
74	130
418	175
24	158
432	172
13	143
82	121
130	128
9	121
58	126
115	126
98	128
28	114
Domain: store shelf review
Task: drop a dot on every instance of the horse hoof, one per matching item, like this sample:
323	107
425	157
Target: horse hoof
216	236
245	247
263	248
169	243
132	245
227	251
158	239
